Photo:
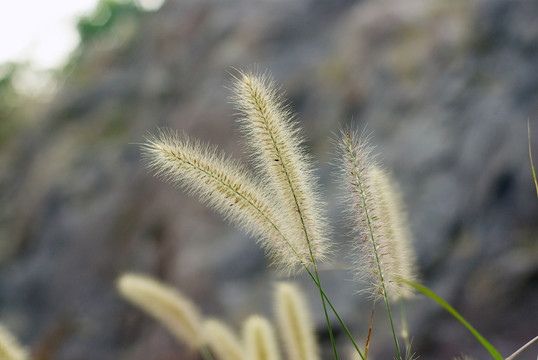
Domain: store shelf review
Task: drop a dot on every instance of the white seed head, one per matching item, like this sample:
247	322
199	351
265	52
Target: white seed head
381	231
260	339
225	185
222	341
166	305
294	323
277	151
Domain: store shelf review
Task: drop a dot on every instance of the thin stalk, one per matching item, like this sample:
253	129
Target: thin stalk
336	314
391	323
521	349
369	333
318	283
453	312
384	291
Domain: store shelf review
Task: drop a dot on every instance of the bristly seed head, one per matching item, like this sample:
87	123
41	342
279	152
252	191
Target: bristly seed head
381	228
277	151
225	185
260	339
223	342
282	207
294	323
165	304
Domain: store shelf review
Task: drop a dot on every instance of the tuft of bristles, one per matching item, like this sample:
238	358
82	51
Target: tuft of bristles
10	349
294	323
260	339
166	305
223	342
380	225
225	185
396	230
276	148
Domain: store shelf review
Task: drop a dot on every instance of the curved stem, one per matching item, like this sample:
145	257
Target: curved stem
521	349
336	314
369	333
453	312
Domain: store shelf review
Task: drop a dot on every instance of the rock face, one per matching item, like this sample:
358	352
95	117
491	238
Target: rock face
445	88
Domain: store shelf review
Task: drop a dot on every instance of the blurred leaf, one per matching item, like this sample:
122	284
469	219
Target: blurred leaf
104	17
457	315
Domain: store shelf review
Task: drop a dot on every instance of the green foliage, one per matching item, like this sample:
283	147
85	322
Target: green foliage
13	109
105	16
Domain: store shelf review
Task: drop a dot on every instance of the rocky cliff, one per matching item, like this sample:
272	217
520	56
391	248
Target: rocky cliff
446	89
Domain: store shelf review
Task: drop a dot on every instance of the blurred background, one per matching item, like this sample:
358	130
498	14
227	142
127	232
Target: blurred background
446	88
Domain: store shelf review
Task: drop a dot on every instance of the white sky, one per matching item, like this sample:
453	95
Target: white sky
43	32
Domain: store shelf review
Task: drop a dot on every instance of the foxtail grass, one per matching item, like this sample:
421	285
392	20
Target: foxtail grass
225	185
260	339
165	304
292	226
278	202
380	228
276	147
294	323
223	342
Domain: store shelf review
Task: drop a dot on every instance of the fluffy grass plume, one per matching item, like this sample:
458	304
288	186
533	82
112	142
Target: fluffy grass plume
166	305
224	184
10	349
294	323
223	342
401	258
260	339
380	227
278	153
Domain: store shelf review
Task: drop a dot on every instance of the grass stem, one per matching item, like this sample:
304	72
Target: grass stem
522	348
453	312
369	332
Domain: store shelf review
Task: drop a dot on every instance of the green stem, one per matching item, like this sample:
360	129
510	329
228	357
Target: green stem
335	313
321	293
369	333
391	323
454	313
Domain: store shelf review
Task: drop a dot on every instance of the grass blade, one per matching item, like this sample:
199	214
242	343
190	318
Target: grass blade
457	315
